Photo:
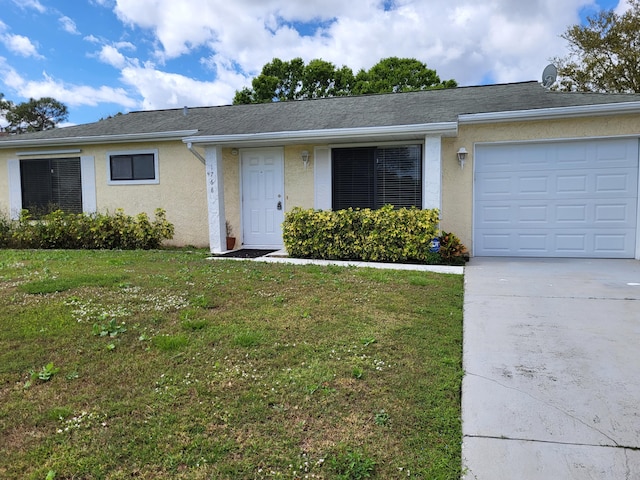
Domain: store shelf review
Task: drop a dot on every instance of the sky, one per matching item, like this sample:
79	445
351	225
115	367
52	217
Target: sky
103	57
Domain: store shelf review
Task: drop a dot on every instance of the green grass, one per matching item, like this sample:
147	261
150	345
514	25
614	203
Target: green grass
225	369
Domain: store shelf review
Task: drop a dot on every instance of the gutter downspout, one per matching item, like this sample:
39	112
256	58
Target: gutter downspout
196	153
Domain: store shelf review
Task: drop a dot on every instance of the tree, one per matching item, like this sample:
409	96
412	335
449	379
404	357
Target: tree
5	106
35	115
393	74
604	54
281	80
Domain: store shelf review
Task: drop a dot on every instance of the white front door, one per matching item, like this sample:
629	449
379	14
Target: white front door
262	197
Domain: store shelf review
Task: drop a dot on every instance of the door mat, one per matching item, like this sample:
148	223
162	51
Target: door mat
246	253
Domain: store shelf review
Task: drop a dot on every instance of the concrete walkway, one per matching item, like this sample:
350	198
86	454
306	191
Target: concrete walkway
278	257
552	369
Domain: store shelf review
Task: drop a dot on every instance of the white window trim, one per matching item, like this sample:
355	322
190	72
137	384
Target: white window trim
153	151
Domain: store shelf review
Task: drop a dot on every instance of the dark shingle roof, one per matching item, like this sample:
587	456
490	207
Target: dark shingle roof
412	108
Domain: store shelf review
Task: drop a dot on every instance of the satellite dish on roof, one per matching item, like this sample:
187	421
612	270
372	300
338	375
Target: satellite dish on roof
549	75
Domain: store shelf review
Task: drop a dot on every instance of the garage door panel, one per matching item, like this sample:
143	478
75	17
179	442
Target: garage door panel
572	184
616	153
566	199
533	185
557	184
573	155
620	183
561	243
522	214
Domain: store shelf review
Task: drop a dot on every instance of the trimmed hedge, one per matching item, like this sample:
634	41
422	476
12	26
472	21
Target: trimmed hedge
86	231
383	235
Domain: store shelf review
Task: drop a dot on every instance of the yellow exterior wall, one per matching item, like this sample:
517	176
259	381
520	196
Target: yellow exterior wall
457	184
181	191
298	180
231	167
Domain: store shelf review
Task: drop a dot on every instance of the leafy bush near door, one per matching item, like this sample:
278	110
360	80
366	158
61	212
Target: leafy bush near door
86	231
383	235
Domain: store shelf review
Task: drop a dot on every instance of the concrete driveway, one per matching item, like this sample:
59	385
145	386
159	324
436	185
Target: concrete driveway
552	369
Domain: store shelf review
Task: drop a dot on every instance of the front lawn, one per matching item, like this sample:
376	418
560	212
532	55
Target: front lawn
162	364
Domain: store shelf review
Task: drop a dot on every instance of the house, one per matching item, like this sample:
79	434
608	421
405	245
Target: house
548	174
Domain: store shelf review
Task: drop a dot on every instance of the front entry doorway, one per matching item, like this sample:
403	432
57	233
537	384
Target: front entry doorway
262	197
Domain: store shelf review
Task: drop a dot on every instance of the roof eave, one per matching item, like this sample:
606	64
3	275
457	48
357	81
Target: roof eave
97	139
328	135
551	113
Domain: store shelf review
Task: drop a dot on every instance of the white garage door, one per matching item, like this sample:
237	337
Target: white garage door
557	199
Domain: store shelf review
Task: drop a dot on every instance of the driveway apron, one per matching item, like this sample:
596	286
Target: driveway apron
552	369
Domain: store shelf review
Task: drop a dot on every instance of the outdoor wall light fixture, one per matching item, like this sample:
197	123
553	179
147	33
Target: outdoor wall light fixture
462	156
305	158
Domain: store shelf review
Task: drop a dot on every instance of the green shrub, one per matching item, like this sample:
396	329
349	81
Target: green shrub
86	231
5	230
383	235
451	248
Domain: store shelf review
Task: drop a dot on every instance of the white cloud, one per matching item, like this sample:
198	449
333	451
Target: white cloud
91	39
466	40
168	90
622	7
33	4
68	25
111	56
69	94
20	45
125	45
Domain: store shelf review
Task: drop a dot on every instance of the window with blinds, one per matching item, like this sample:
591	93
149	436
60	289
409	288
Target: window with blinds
375	176
51	184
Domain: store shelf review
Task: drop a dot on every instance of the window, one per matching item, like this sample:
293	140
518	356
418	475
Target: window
133	167
51	184
371	177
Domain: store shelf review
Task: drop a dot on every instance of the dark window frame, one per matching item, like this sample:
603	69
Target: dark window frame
373	176
136	167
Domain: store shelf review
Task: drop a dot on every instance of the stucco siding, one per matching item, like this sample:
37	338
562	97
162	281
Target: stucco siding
181	190
231	165
298	179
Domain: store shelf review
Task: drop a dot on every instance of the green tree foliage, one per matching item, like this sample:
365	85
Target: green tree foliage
293	80
604	54
392	75
5	106
34	115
